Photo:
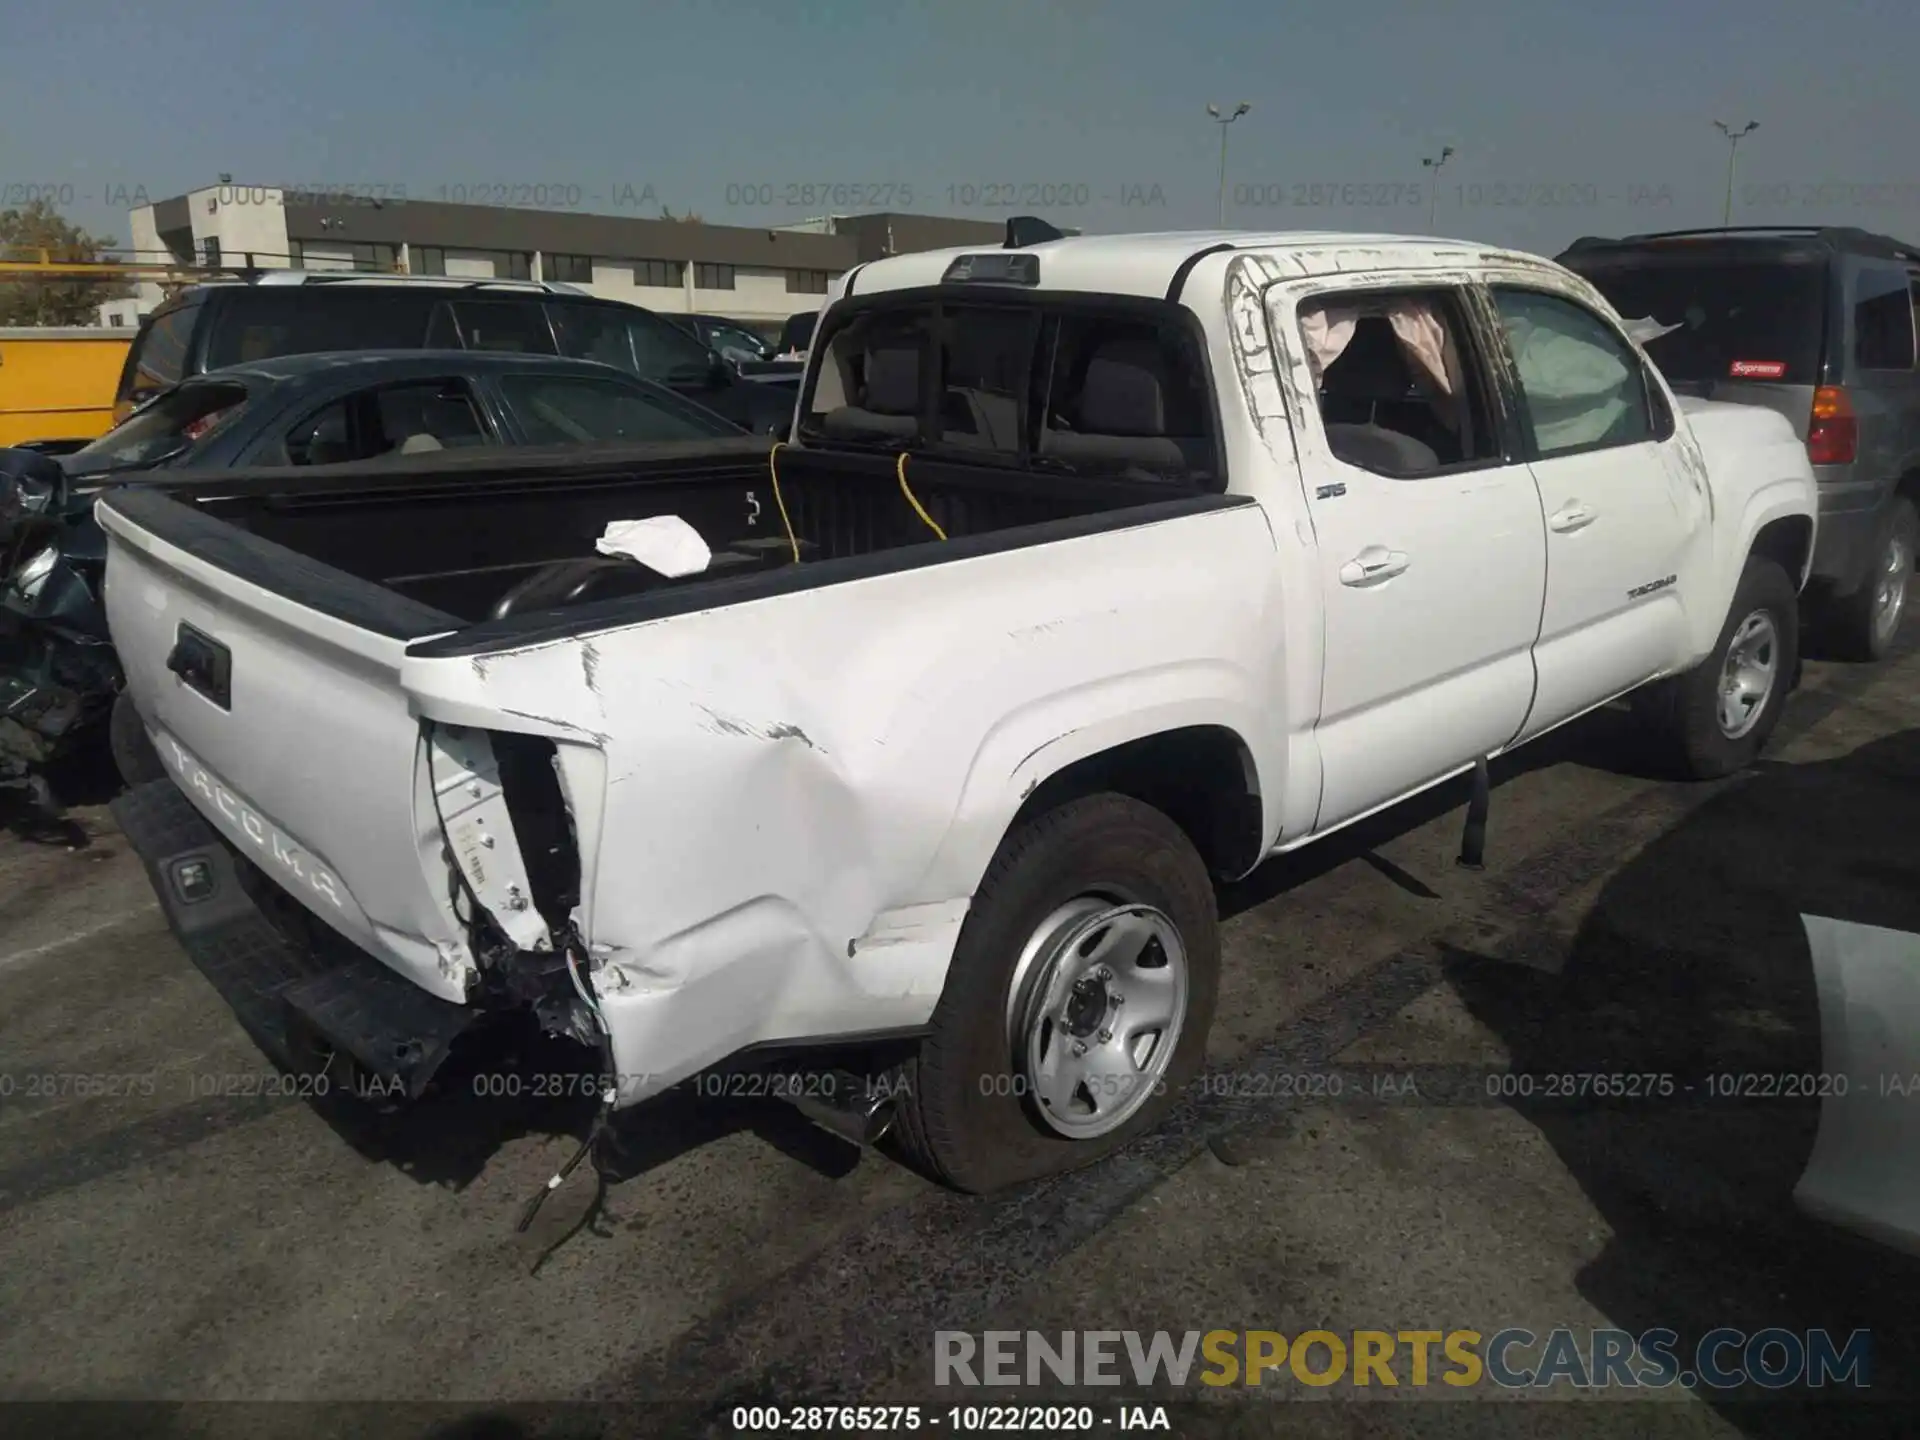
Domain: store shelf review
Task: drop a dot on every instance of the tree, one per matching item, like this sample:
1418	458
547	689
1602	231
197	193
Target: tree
690	218
76	301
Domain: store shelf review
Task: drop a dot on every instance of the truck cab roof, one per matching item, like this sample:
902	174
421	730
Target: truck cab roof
1148	265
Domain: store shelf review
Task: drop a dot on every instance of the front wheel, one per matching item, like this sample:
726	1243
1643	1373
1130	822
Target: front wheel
1715	718
1077	1004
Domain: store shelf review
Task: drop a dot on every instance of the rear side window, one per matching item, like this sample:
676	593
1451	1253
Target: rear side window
181	417
1398	392
1883	320
1732	318
559	410
416	418
263	324
592	332
664	352
497	325
159	356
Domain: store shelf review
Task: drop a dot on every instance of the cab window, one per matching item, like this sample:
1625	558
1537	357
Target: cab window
1069	389
1582	383
1397	390
418	418
502	325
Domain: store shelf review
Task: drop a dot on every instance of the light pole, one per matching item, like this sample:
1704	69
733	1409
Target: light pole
1734	137
1434	163
1223	121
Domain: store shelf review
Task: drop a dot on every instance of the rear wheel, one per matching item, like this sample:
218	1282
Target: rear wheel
1864	625
1077	1004
1714	719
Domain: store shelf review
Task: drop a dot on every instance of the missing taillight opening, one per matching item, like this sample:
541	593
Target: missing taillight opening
1833	432
194	429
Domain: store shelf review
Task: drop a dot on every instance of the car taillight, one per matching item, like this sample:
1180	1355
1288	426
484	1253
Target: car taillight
1833	433
194	429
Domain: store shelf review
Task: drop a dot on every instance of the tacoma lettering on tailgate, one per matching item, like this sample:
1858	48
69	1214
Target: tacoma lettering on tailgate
287	857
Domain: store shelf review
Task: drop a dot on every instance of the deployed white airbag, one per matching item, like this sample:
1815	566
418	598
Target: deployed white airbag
665	543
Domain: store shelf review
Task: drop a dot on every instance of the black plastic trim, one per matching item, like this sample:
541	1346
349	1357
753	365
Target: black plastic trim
1179	281
285	572
769	1052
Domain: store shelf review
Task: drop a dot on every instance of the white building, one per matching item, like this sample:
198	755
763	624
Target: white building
758	275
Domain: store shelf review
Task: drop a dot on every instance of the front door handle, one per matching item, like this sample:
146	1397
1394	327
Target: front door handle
1372	565
1575	516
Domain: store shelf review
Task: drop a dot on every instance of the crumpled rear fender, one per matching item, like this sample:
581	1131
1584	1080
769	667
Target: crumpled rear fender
783	806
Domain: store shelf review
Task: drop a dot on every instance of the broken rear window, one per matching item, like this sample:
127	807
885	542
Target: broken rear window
180	418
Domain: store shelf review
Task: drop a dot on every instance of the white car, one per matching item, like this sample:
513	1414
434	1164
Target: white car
1094	570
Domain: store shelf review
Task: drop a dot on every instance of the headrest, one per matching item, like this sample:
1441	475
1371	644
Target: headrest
1125	391
893	378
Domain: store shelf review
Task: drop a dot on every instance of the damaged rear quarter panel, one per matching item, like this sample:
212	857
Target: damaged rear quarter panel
801	793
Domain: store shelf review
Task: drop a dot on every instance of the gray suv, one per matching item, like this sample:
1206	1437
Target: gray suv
1820	326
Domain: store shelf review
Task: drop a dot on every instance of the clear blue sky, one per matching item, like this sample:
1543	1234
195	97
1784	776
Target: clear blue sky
1566	118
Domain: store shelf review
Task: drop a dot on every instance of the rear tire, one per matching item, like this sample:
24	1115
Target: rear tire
1103	897
1864	625
1715	718
133	753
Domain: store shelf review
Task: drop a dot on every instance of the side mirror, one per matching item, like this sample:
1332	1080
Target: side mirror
720	369
32	485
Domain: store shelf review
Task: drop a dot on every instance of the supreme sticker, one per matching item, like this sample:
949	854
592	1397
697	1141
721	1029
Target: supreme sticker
1758	369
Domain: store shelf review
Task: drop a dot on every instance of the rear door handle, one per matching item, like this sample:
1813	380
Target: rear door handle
1372	565
1575	516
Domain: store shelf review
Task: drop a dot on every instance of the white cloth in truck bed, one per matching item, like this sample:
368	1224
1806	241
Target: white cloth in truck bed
665	543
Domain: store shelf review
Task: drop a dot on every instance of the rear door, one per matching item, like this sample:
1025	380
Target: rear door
1882	383
1427	530
1627	517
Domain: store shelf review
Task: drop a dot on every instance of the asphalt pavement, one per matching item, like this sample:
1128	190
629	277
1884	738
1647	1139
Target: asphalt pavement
173	1230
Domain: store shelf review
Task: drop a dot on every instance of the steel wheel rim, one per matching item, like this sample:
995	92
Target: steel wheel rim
1890	587
1095	1013
1747	678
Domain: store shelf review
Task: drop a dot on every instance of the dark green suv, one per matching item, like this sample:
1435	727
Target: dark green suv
1820	326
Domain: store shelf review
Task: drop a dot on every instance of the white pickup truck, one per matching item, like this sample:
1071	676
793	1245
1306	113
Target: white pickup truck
1094	569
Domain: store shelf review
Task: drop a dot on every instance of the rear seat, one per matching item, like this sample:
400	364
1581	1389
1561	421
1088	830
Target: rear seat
1120	415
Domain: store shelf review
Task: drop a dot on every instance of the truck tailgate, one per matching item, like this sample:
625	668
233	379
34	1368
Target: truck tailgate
257	705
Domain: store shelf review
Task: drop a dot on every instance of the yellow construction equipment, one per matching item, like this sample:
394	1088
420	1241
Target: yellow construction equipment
57	382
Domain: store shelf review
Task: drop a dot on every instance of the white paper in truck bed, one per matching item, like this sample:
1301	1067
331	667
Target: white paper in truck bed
665	543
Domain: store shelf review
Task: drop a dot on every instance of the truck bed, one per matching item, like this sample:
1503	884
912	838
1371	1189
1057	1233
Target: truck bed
497	538
321	664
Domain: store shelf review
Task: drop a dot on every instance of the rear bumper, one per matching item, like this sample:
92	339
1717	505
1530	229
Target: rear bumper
287	997
1849	519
